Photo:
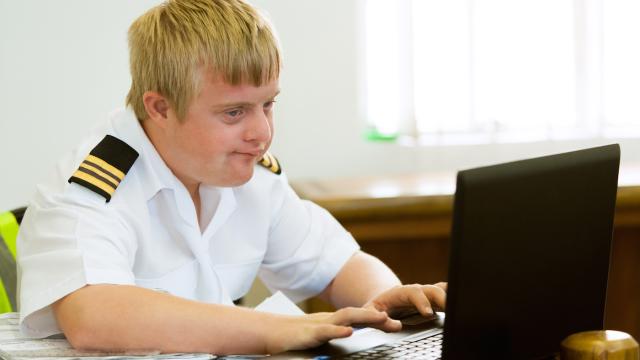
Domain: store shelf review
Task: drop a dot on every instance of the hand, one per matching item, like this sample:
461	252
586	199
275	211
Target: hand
407	298
307	331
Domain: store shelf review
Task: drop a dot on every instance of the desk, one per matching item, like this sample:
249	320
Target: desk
406	221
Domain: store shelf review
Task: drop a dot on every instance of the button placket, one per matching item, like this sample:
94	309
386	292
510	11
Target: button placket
212	288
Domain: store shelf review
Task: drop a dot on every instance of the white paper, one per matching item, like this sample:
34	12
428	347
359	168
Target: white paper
279	303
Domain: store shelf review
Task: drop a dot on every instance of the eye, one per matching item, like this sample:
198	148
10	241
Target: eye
269	104
235	113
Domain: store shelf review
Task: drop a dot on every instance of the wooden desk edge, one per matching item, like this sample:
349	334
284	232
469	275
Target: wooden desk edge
438	206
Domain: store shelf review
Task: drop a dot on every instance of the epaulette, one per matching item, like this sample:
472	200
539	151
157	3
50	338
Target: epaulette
270	162
105	166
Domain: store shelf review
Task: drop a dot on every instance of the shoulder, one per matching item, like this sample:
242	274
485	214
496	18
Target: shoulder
100	165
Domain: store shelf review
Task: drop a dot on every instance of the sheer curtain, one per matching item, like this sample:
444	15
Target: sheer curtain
500	71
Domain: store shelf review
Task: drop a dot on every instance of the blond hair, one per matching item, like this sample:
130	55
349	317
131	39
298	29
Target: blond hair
171	43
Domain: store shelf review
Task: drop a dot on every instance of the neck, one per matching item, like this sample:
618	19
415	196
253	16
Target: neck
193	187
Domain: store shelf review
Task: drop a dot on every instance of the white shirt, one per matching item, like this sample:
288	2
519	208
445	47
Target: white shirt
149	235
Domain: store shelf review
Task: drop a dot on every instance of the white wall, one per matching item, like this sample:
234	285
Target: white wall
63	66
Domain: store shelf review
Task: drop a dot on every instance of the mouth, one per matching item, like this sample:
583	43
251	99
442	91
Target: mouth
251	153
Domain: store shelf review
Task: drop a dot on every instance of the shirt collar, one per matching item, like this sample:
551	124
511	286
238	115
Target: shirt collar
154	172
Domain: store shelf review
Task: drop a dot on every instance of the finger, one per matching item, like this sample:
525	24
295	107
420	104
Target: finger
390	325
386	323
442	285
327	332
361	316
419	298
437	296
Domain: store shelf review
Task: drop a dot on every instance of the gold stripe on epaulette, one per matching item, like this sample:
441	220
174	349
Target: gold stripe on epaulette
106	166
95	181
265	161
270	162
275	167
100	171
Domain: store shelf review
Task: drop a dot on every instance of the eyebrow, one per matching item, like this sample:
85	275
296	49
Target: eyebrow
242	103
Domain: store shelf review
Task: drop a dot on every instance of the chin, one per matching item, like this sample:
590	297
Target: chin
239	179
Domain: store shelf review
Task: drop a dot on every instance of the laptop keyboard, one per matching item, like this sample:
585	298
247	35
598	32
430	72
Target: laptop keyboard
429	347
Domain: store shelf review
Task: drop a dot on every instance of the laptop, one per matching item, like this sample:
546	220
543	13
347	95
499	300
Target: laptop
529	261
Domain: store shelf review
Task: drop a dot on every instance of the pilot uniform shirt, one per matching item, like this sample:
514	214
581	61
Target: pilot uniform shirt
148	235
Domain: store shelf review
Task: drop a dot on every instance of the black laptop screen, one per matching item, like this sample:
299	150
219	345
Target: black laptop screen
530	254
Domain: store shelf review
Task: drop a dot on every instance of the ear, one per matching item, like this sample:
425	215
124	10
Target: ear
157	107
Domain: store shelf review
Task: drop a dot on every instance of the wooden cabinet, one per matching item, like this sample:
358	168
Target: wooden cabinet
406	221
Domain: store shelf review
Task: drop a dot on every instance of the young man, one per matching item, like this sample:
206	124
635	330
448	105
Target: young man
150	229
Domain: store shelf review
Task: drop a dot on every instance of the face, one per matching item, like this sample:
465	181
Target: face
226	130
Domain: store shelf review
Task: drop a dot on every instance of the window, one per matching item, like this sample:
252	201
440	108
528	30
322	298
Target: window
499	71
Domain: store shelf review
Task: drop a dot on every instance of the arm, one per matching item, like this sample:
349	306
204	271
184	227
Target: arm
366	281
129	318
360	280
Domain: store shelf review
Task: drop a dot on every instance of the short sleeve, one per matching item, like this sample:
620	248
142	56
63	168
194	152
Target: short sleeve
306	250
65	242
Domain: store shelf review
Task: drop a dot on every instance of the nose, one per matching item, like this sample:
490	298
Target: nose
258	128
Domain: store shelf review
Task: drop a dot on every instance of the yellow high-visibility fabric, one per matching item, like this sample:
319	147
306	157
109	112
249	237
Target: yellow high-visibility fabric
5	304
9	231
